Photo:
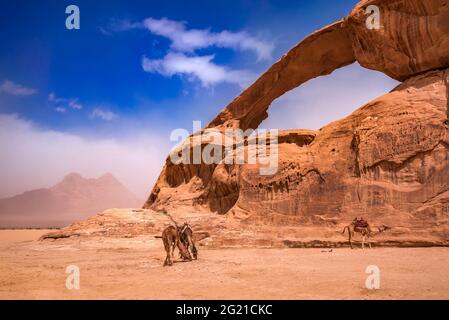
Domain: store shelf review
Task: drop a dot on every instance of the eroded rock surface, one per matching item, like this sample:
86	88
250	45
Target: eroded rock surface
413	37
388	161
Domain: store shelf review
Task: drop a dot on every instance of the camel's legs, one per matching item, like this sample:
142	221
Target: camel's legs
186	245
173	250
166	242
194	250
369	242
185	253
191	244
350	238
168	261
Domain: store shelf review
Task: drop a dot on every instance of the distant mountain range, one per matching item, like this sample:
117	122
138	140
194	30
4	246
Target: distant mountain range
74	198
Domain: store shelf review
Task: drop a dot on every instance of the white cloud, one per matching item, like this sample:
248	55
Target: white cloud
74	104
189	40
119	26
201	68
15	89
103	114
64	103
181	58
60	109
52	97
34	157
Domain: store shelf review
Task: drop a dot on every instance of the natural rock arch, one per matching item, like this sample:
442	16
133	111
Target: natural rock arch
400	52
345	42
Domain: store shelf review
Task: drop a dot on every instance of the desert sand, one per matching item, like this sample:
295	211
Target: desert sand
120	268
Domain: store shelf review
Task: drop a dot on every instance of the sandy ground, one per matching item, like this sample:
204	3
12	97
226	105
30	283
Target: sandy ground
132	269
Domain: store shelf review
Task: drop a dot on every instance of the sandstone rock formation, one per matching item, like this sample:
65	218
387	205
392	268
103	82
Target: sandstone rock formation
388	161
413	38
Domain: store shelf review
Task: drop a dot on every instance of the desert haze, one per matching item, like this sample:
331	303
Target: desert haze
73	199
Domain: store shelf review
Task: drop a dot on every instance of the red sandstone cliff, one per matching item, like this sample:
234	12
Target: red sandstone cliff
388	161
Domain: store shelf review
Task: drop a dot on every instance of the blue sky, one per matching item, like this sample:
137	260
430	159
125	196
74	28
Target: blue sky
138	69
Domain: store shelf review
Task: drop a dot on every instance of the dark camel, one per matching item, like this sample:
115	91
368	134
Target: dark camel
186	237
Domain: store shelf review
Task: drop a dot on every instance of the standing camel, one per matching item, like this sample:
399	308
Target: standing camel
366	233
186	236
170	238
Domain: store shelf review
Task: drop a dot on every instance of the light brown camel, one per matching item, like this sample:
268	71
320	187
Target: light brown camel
366	233
170	238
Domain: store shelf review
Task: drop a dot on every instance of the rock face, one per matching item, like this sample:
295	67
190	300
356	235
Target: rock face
413	37
74	198
388	161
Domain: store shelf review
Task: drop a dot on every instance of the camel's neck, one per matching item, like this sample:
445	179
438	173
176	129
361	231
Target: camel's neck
377	231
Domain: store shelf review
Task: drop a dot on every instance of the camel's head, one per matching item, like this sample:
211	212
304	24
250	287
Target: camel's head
384	228
186	255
